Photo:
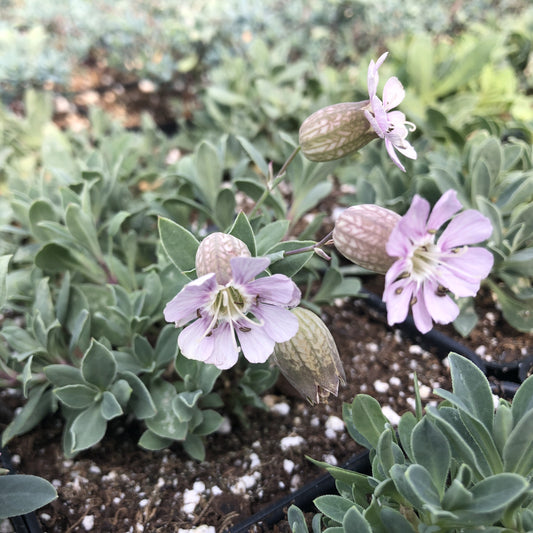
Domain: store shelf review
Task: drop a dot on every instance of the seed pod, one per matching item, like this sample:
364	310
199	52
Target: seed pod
310	360
335	131
214	254
361	234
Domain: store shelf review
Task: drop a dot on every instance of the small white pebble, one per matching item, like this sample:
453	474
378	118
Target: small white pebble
143	503
45	517
288	466
335	423
481	350
254	460
330	434
281	409
411	402
330	459
88	522
391	415
295	481
281	485
15	459
315	421
216	490
291	442
110	477
139	528
425	392
372	347
225	426
56	483
415	349
117	500
243	484
93	469
495	401
381	386
395	381
199	529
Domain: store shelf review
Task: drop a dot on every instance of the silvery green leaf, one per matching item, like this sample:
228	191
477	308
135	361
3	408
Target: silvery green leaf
4	264
255	155
22	343
21	494
333	506
40	211
140	401
77	396
523	400
431	450
144	352
81	331
179	244
241	229
354	521
184	403
296	520
503	425
225	207
87	428
394	521
165	423
416	485
194	446
471	389
467	318
387	452
110	407
270	235
166	346
309	198
520	263
515	310
518	450
154	291
255	190
62	375
456	496
369	422
82	228
406	425
210	422
196	374
98	366
209	172
150	441
121	390
62	299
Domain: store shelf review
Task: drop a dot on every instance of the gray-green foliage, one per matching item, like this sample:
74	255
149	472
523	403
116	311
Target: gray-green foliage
461	466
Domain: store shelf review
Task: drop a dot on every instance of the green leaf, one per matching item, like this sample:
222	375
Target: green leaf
98	366
518	450
242	230
110	406
184	403
394	521
523	400
368	419
76	396
194	446
225	207
179	244
296	520
255	155
431	450
333	506
165	423
406	425
82	228
456	497
503	425
354	521
470	384
306	201
270	235
291	264
209	172
22	343
40	403
4	264
41	210
62	375
495	493
387	451
515	310
88	428
21	494
211	421
415	484
150	441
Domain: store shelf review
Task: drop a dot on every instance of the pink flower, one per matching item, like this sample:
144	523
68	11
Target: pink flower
254	309
428	267
389	125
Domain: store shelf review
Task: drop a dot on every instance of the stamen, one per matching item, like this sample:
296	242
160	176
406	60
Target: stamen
441	291
399	290
413	300
244	329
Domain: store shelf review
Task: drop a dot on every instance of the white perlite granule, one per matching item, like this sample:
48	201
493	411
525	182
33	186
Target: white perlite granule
291	442
391	415
88	522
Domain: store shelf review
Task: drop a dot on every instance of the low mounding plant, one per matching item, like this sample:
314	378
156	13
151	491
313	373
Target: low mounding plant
462	466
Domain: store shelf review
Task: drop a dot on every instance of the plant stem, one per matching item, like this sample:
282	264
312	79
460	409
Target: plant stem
275	182
312	248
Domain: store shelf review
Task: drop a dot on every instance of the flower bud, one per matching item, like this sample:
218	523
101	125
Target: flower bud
214	254
310	360
335	131
361	234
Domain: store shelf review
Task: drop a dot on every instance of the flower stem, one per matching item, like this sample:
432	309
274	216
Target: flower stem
317	248
274	183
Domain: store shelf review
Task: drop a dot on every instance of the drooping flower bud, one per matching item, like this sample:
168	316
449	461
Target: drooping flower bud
361	233
336	131
310	360
215	252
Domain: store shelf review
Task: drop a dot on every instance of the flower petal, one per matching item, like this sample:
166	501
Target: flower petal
393	93
421	314
276	290
372	76
256	345
469	227
398	296
446	206
392	154
226	352
413	223
442	309
245	269
279	324
197	293
194	343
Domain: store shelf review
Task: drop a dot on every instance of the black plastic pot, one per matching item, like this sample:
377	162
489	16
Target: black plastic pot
27	523
303	497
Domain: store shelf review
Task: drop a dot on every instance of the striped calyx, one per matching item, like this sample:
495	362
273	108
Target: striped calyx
361	233
214	254
310	360
335	131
